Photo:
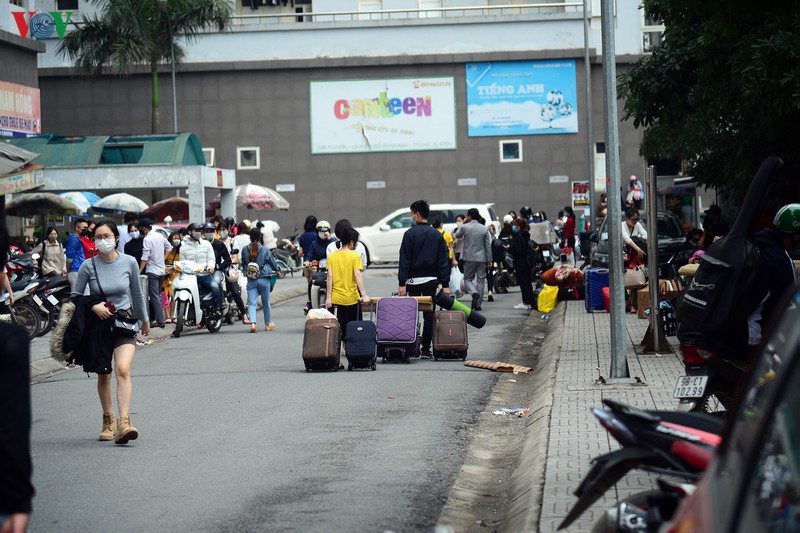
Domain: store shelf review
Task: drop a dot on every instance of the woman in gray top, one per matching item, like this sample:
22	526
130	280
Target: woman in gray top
118	274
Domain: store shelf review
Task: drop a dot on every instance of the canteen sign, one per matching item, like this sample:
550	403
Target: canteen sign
20	111
42	25
386	115
521	98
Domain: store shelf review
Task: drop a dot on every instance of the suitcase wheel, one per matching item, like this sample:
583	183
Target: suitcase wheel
374	367
435	355
349	367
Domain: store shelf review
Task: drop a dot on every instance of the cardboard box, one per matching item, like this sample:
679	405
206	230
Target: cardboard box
672	287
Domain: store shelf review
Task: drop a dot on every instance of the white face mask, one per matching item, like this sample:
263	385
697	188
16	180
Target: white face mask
209	236
134	235
322	235
223	234
176	242
106	246
197	235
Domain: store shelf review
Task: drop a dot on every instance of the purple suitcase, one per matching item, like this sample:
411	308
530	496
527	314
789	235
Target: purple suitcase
398	329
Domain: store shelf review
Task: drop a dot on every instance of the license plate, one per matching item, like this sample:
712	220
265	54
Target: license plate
690	387
52	299
545	253
37	300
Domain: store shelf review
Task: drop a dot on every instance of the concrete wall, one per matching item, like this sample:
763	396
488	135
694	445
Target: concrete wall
18	64
269	108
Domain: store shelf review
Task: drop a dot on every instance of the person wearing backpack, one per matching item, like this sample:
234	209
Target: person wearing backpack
259	266
53	261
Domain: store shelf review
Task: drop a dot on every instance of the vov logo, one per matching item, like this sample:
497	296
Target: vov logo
42	25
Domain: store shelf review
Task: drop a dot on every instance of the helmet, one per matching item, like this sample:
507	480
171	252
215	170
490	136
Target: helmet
633	178
193	226
787	219
323	225
508	219
209	226
233	275
525	211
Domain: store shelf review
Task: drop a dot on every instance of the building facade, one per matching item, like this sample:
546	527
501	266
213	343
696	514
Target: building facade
262	97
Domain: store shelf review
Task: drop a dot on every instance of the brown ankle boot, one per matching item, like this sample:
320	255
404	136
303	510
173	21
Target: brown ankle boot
125	431
108	426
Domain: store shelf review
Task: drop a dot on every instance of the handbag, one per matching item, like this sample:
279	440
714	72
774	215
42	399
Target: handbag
125	323
635	278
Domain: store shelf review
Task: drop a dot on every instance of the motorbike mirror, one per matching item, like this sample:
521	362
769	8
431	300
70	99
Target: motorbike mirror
35	256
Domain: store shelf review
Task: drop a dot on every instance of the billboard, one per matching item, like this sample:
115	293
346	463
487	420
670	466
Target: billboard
383	115
522	98
20	111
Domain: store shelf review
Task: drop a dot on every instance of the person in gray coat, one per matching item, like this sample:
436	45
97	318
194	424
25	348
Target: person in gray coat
476	253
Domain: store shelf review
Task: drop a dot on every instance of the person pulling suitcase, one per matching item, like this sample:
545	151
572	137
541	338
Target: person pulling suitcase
424	266
345	282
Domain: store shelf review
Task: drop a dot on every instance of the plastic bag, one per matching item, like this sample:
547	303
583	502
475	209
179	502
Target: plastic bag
319	313
548	298
455	281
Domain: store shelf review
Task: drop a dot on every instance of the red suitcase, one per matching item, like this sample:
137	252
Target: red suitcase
450	339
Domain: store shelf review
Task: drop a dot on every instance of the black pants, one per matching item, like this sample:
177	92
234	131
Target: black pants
425	289
524	280
346	314
236	291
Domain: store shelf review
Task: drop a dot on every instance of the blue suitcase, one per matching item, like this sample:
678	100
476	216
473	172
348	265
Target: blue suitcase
595	279
361	339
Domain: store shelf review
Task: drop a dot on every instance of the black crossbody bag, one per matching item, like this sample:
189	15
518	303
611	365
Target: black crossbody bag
125	324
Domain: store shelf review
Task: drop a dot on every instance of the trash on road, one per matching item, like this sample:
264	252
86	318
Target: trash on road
512	380
499	367
518	411
391	398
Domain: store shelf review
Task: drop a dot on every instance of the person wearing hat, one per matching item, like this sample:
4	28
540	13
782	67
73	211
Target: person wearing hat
713	225
317	251
154	248
635	193
776	272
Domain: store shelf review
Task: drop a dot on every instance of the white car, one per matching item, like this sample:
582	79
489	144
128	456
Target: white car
383	238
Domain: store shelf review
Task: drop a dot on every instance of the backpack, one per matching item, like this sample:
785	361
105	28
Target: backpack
713	310
253	270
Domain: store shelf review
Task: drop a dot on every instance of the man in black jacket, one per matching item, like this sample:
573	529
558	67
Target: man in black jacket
424	265
16	490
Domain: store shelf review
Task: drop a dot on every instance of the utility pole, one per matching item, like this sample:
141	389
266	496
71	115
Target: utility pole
619	344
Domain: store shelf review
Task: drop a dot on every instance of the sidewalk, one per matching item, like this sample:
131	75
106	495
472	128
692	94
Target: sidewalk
563	435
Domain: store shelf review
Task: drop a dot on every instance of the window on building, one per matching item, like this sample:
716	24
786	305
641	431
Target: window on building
17	3
248	158
511	151
368	6
652	33
67	5
430	4
209	155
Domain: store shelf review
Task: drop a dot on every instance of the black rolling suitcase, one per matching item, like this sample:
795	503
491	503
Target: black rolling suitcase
361	339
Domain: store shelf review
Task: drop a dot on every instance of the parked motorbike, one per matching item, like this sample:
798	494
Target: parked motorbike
711	380
193	307
22	267
645	511
504	276
285	263
51	294
544	248
663	442
24	312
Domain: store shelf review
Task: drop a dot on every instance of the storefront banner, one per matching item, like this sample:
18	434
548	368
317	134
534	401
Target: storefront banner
580	194
388	115
22	182
20	111
522	98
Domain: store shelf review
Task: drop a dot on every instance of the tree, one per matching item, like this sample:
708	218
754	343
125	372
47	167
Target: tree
722	90
130	33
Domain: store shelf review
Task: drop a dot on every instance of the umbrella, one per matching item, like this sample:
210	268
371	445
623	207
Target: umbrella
83	200
256	197
176	208
120	202
39	203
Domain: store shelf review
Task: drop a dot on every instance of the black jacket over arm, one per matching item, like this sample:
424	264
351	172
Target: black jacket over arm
221	254
90	339
16	491
423	253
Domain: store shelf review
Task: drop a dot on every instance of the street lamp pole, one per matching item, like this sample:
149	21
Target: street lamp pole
165	3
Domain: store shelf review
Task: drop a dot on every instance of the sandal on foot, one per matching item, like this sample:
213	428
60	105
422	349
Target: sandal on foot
270	326
252	328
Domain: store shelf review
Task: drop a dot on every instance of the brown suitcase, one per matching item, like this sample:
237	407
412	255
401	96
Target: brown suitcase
450	335
321	344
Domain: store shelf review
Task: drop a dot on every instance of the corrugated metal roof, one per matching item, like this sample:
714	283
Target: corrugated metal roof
13	158
90	151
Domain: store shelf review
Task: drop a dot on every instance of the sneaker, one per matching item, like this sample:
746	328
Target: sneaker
490	298
426	354
475	298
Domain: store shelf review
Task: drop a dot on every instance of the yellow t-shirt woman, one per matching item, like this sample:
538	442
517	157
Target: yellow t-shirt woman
342	265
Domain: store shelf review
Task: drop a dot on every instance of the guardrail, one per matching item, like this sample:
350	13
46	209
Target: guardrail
542	8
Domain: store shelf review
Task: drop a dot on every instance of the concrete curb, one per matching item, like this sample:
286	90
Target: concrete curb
527	481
